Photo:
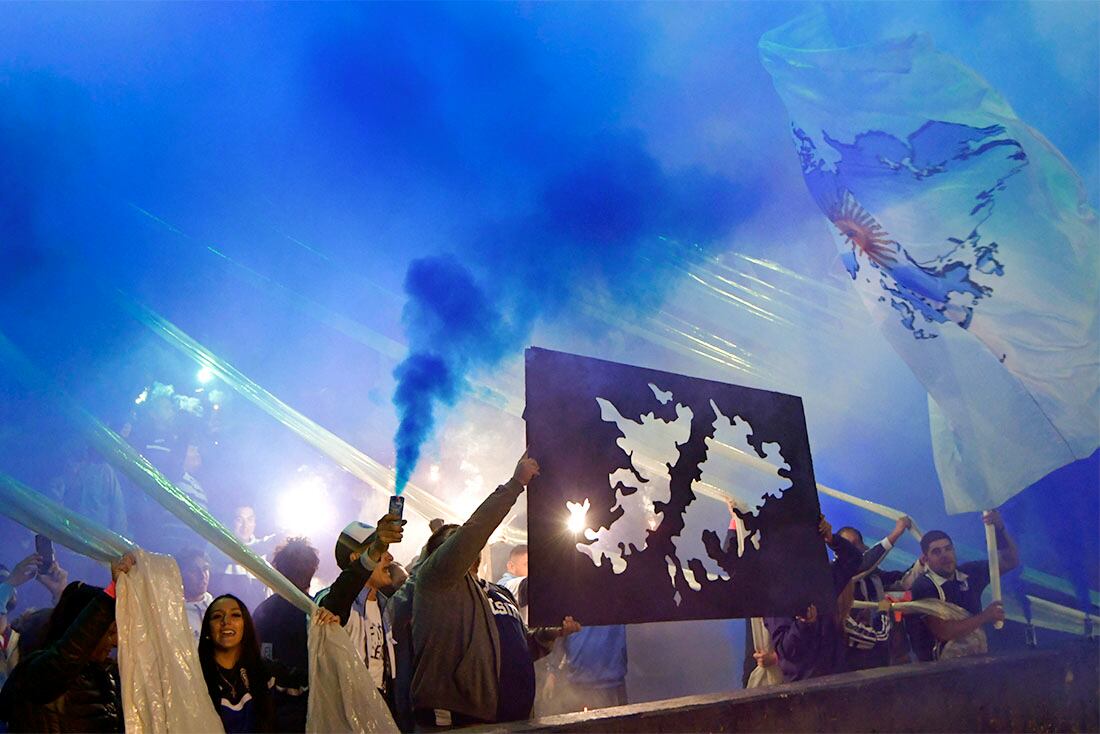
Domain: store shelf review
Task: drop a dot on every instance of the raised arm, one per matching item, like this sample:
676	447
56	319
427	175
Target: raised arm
51	670
1007	552
344	590
453	559
875	555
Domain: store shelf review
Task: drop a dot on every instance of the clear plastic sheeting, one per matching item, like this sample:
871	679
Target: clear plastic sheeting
37	512
974	643
872	507
1048	615
351	459
137	468
342	697
163	689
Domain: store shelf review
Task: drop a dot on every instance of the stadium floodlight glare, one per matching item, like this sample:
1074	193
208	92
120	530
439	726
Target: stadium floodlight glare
305	509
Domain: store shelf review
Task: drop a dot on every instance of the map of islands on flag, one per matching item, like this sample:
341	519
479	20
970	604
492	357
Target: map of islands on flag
666	497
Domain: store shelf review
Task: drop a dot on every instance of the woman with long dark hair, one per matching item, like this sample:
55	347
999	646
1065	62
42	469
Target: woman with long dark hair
242	685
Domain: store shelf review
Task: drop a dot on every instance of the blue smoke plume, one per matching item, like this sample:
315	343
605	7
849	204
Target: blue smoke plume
597	235
452	326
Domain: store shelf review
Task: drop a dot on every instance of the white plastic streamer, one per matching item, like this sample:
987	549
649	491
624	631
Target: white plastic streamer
994	565
1045	614
39	513
162	682
973	643
873	507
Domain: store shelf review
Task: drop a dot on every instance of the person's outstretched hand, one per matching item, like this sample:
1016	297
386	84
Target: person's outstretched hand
55	580
122	565
391	529
765	659
995	612
569	626
811	615
993	517
324	616
25	570
526	470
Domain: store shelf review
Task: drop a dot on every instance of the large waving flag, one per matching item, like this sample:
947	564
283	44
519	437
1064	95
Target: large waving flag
969	239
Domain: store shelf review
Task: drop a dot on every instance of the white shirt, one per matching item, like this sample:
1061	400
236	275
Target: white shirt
264	547
196	610
376	642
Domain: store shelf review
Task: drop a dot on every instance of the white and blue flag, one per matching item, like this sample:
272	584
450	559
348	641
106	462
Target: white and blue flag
969	238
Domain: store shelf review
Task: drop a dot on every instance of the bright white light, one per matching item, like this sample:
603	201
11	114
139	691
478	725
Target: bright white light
205	375
142	397
305	509
433	472
577	512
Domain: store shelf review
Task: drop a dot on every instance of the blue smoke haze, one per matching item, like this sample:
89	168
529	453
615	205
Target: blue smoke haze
462	179
597	228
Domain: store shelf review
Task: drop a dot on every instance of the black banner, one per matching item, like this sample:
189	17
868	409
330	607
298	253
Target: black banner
628	520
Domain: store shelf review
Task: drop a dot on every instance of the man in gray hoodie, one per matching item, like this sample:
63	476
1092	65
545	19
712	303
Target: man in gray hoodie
471	651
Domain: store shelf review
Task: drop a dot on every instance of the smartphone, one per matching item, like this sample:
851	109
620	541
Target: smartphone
43	546
397	505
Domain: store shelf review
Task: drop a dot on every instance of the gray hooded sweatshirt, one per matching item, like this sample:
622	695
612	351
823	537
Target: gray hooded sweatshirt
456	662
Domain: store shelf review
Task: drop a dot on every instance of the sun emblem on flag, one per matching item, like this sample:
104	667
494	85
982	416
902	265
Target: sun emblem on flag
862	230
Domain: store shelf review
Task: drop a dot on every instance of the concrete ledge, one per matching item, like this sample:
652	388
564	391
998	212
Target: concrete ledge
1032	691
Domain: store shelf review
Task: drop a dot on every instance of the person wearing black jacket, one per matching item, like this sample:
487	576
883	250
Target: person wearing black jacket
870	632
366	567
814	644
71	684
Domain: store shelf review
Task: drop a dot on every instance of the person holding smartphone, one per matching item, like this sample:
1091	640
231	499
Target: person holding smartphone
366	568
71	683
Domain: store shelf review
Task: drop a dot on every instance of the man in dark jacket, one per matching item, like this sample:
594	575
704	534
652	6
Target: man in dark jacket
472	654
814	644
71	684
366	567
282	627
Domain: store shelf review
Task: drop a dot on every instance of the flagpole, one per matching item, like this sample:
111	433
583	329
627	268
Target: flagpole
994	564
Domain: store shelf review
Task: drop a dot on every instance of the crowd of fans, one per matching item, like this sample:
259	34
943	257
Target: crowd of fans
443	646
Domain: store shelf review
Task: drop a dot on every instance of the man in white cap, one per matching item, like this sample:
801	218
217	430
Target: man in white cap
365	566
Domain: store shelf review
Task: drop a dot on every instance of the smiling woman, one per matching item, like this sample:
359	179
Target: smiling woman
243	686
247	690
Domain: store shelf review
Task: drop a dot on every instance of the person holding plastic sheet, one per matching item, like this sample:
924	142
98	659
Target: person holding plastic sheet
71	684
366	568
242	685
472	654
814	644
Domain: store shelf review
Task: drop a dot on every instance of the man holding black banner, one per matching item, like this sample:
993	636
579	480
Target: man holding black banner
472	653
